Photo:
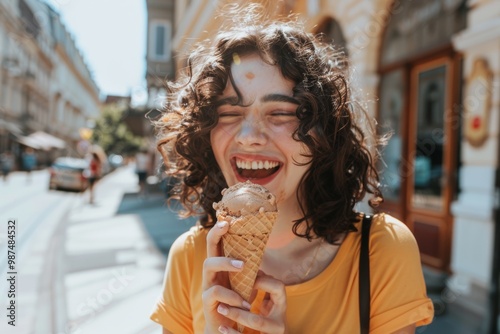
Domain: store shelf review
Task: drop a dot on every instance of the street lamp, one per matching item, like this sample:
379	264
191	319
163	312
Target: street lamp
84	143
85	133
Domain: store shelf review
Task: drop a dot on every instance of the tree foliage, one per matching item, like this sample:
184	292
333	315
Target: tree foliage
113	135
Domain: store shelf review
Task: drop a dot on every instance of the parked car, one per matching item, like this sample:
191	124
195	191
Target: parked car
68	173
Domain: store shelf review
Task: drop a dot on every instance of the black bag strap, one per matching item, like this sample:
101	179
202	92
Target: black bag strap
364	276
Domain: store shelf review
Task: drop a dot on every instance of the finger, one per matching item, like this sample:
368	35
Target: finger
214	236
227	330
214	265
251	320
217	294
274	287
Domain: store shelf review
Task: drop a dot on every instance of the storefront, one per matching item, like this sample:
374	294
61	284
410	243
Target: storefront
430	72
430	69
419	90
406	62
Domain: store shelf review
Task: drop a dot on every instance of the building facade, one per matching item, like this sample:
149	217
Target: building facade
430	72
45	84
159	52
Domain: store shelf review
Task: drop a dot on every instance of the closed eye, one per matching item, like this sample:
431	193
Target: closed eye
229	116
282	117
284	113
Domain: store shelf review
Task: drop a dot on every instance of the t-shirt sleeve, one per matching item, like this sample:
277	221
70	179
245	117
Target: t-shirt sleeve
173	309
398	292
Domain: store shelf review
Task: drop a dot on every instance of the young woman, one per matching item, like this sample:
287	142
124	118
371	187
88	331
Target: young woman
94	172
269	103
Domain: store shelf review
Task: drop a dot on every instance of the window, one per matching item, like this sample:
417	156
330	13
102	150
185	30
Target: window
159	40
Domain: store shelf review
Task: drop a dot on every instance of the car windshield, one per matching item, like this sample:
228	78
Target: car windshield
70	163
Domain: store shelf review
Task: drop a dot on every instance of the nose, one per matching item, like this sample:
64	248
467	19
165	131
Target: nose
251	132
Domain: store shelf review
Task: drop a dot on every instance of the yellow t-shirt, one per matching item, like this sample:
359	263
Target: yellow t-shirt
328	303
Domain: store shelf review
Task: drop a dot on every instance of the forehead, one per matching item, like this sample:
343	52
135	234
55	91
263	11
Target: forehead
249	64
252	75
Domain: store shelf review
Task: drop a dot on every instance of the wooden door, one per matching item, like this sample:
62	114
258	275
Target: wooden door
418	102
431	157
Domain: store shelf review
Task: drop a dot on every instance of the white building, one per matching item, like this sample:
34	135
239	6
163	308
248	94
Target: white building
45	84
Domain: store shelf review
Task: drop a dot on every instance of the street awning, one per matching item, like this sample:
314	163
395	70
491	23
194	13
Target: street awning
42	140
26	140
11	127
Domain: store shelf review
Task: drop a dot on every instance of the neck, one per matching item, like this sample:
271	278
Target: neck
282	239
298	260
294	259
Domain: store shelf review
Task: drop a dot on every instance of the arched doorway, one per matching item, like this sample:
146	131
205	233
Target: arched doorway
332	33
419	97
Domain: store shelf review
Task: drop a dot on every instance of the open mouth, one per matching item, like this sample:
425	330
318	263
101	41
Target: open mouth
256	169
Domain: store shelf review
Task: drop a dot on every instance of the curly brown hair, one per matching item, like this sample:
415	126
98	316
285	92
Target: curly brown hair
342	167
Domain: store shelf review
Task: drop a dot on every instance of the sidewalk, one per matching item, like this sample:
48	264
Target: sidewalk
109	272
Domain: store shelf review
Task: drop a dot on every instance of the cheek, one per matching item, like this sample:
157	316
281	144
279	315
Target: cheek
215	142
297	151
223	133
219	139
305	154
217	136
285	129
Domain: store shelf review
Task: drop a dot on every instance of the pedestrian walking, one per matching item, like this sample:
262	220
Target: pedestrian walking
142	166
269	103
93	173
7	163
29	162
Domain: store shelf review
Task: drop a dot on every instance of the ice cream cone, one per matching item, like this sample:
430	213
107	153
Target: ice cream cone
246	241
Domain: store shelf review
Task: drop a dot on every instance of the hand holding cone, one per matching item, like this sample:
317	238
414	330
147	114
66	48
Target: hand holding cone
251	212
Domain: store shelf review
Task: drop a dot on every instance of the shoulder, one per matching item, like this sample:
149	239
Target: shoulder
397	285
186	255
190	242
390	231
389	235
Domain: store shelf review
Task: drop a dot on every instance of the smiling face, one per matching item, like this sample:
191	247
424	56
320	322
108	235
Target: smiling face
253	140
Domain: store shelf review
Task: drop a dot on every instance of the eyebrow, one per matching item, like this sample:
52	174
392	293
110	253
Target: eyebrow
279	98
233	100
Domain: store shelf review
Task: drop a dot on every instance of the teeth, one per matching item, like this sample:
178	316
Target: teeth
256	164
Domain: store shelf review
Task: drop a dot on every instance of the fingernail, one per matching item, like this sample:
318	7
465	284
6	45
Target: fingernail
246	305
223	329
222	309
237	263
221	224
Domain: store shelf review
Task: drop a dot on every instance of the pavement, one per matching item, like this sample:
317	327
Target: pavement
114	258
99	268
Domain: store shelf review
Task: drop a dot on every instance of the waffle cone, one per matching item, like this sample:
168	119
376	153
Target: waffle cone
246	240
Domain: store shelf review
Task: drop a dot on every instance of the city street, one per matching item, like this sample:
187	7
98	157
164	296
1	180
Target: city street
37	213
84	268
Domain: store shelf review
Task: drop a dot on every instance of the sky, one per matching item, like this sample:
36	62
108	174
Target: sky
111	35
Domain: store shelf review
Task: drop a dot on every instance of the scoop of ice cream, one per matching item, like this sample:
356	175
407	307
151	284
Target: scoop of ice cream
245	198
